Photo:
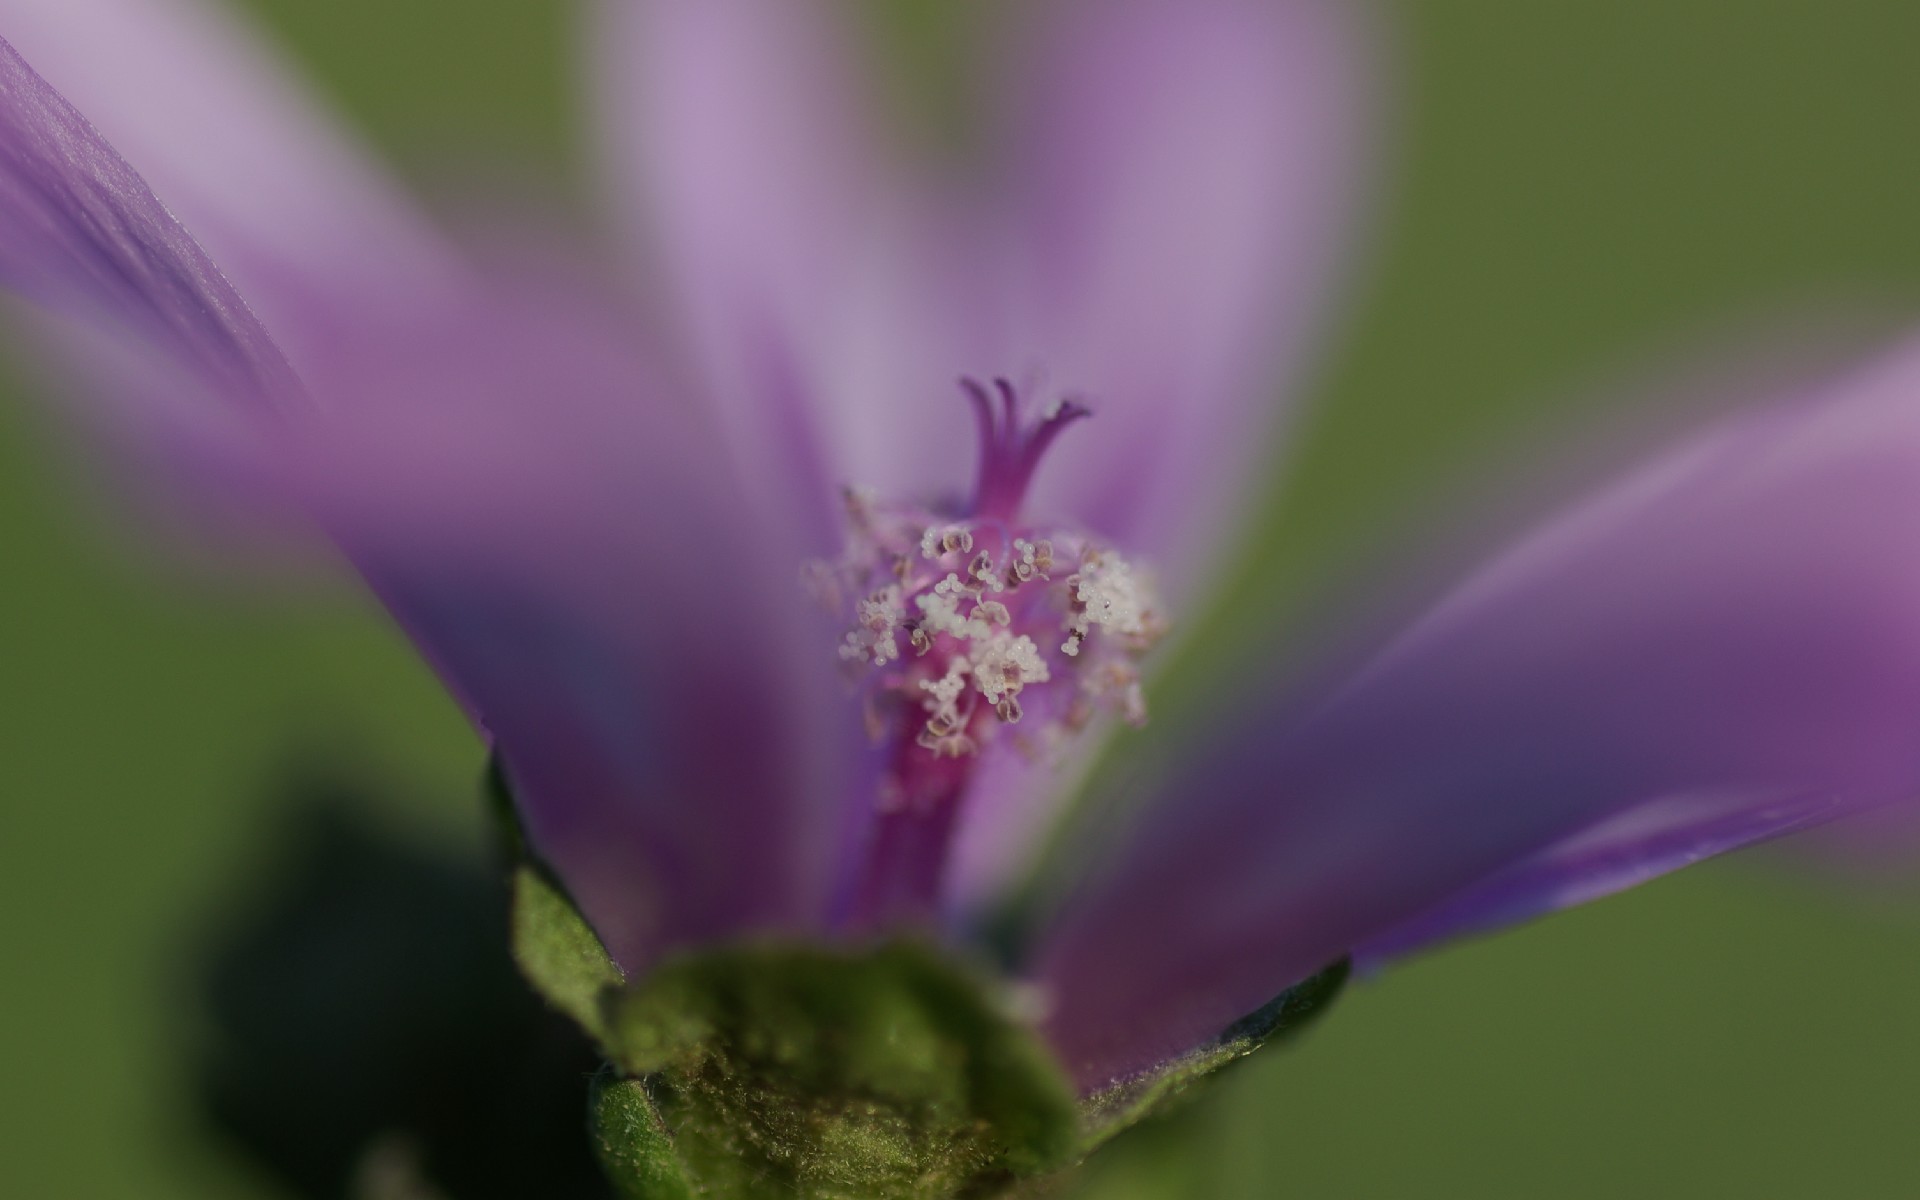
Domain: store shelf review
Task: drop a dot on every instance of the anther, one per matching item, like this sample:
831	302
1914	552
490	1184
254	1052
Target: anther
938	541
992	610
957	745
982	570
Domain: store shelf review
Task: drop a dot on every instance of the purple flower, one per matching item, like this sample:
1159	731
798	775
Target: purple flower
756	651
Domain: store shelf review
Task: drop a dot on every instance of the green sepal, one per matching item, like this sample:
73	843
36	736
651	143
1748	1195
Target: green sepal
556	950
636	1150
1112	1111
559	954
800	1071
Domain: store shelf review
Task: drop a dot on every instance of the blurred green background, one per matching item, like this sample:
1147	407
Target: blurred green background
1569	188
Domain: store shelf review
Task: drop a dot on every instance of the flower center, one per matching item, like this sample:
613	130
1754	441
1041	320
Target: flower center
975	632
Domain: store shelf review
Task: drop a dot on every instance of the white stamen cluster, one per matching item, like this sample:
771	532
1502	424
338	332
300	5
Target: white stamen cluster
983	613
1003	667
876	618
1106	593
943	731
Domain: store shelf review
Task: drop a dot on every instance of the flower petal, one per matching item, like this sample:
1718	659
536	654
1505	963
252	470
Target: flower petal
242	155
561	535
1152	221
1724	644
737	139
1873	853
1640	844
82	235
1184	172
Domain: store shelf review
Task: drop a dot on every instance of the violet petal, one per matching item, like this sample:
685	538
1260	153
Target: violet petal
1738	621
1642	843
1127	233
83	235
243	155
558	530
1183	174
739	154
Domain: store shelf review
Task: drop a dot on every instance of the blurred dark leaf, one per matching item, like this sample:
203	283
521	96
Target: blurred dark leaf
371	1039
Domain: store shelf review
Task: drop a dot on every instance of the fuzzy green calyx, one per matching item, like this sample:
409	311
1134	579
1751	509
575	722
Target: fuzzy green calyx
782	1070
778	1070
820	1073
